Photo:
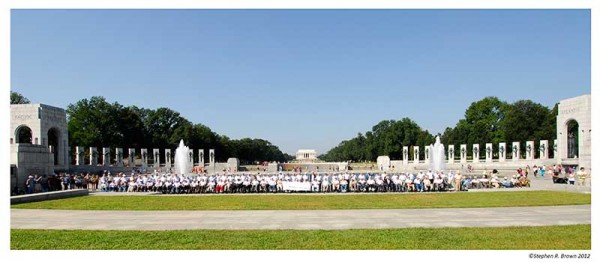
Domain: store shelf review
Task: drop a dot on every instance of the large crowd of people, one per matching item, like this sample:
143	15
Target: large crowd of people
218	183
342	182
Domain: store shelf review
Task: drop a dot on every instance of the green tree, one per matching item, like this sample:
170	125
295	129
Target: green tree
386	138
131	128
530	121
16	98
94	122
166	127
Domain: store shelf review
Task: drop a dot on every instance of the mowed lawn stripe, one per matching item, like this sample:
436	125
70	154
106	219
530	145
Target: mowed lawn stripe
573	237
315	202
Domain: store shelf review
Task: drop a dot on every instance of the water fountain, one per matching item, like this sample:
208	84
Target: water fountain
182	159
437	155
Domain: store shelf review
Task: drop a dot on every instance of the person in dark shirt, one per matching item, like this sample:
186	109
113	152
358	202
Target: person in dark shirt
44	183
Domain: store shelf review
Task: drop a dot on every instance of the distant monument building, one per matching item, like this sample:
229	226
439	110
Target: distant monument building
39	141
306	155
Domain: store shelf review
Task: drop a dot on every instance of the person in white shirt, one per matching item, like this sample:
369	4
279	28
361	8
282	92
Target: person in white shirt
426	184
418	183
582	175
168	186
272	184
314	185
246	185
379	184
228	184
343	185
117	180
495	182
210	186
279	185
159	186
325	185
263	185
220	186
185	186
515	181
132	186
371	184
362	183
401	186
437	183
353	184
335	184
176	187
103	184
475	182
194	187
430	176
484	182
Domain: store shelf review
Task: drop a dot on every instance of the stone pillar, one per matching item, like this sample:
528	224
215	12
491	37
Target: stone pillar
515	151
489	150
416	154
211	157
404	155
543	149
191	152
156	157
463	153
427	148
168	158
131	157
119	157
475	153
502	152
144	154
450	154
201	157
93	156
79	155
106	156
529	150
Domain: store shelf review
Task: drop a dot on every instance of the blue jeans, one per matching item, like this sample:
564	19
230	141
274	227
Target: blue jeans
343	188
419	187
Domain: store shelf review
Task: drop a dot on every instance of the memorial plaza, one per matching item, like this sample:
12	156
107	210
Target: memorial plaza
139	191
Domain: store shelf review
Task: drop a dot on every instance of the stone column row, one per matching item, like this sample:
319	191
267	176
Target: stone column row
487	151
106	160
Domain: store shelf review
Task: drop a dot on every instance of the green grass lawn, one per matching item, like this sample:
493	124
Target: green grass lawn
576	237
313	202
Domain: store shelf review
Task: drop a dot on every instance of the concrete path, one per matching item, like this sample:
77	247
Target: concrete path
300	219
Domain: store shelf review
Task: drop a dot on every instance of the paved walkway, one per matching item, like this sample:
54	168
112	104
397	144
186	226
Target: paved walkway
300	219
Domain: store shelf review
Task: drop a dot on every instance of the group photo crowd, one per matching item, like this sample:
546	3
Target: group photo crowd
342	182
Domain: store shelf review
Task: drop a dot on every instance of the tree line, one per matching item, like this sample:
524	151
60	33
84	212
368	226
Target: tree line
95	122
488	120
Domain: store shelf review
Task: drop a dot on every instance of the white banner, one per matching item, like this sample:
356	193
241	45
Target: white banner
296	186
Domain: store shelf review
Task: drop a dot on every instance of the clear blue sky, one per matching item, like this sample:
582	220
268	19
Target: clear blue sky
301	78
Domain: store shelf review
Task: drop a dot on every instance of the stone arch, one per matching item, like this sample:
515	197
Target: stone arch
54	136
23	135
